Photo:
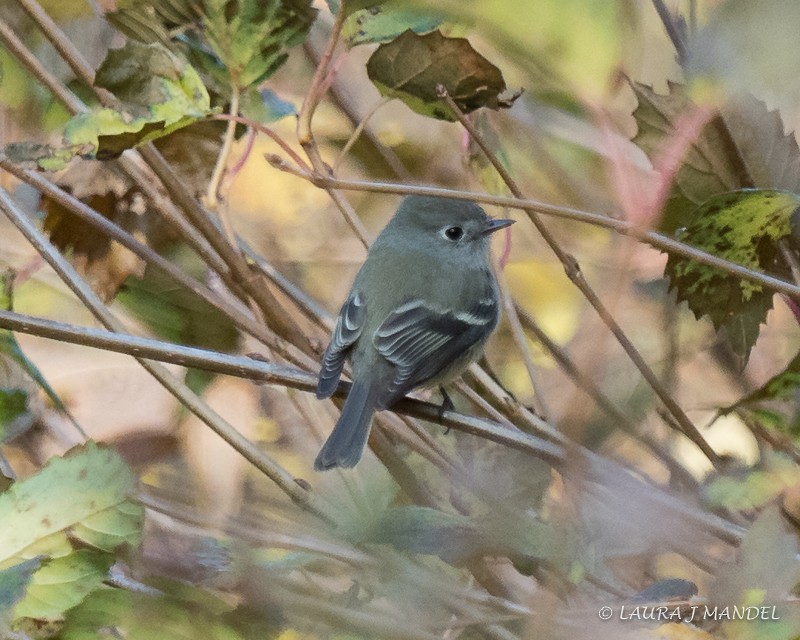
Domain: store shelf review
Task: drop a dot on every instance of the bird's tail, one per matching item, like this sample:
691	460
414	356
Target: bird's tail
345	446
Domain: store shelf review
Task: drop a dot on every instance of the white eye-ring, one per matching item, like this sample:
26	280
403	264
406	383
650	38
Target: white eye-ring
453	233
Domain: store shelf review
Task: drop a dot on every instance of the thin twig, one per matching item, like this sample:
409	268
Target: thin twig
654	239
305	136
244	276
790	256
185	396
621	420
266	372
673	31
357	132
212	193
66	49
42	74
236	312
602	470
350	106
573	271
267	131
522	345
267	303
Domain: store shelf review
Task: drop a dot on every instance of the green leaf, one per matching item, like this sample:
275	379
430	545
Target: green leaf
9	347
743	227
427	531
385	22
782	386
764	574
754	489
770	157
250	37
14	583
61	583
265	106
13	406
67	492
162	93
411	67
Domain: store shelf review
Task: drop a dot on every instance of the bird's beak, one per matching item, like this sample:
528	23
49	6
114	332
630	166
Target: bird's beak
495	224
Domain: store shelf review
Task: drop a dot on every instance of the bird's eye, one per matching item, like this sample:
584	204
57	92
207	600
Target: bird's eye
453	233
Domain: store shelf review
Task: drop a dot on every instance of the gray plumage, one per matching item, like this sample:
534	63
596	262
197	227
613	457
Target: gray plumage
420	310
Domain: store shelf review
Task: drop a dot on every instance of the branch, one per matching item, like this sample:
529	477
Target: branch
654	239
574	273
236	312
258	370
185	396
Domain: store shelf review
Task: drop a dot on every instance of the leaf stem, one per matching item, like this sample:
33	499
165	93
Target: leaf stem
212	193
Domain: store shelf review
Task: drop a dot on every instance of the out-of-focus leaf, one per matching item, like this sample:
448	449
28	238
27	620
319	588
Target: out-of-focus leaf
85	482
61	583
770	157
567	47
385	22
428	531
764	574
14	583
774	405
13	406
176	612
753	489
749	46
411	67
9	347
175	313
265	106
162	93
743	227
782	386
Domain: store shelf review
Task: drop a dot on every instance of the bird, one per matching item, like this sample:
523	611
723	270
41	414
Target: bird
420	310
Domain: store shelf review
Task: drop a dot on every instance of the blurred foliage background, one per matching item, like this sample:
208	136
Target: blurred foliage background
580	483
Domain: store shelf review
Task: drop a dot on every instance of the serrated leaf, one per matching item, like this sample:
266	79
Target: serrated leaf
250	37
411	67
743	227
782	386
770	157
14	583
86	481
62	583
385	22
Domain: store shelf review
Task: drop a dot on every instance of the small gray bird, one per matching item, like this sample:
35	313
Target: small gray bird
420	310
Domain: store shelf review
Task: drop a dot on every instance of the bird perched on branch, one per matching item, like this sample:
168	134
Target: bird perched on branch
419	312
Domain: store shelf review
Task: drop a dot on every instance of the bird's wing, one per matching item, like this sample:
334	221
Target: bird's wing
423	342
349	326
